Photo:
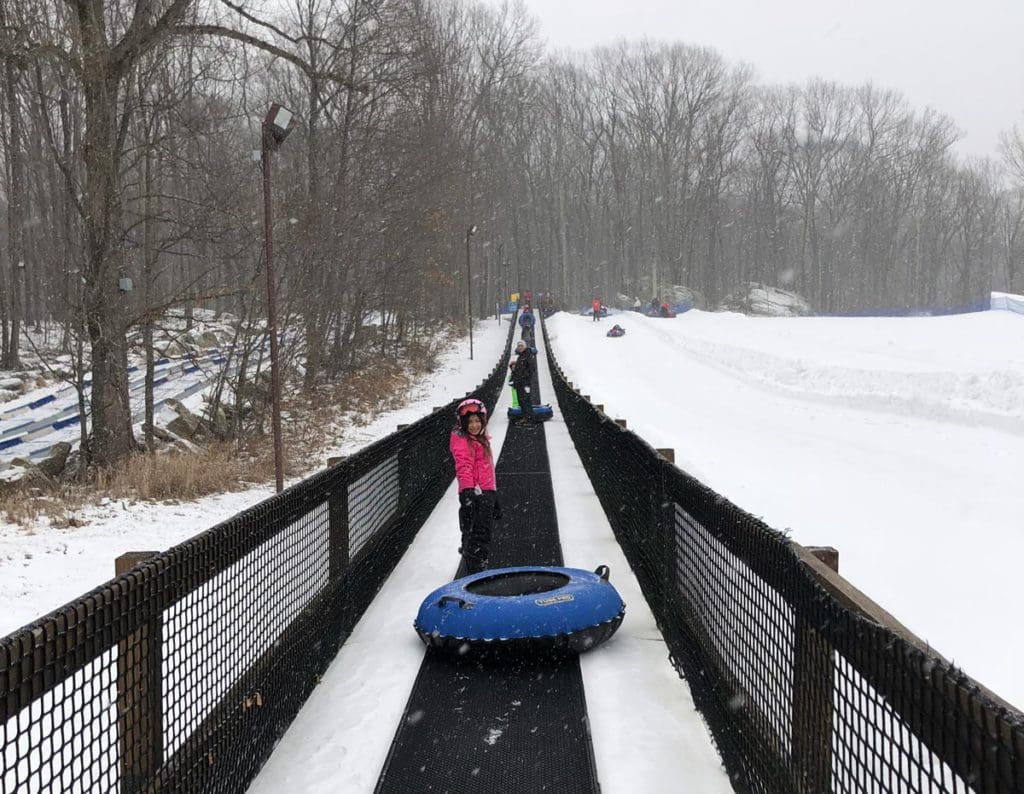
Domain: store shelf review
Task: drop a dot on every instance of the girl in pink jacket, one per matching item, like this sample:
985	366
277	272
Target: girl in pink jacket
474	469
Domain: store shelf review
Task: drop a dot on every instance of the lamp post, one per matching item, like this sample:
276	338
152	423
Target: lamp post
469	290
501	278
276	126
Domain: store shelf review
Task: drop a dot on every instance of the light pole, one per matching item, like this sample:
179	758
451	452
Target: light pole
501	277
276	126
469	290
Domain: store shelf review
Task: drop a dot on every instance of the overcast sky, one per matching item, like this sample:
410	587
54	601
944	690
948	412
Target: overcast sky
963	57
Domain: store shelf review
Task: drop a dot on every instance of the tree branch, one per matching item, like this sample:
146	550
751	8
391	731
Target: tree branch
245	38
259	22
10	48
142	35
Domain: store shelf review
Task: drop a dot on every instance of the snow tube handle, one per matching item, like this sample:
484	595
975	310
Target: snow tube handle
603	572
463	603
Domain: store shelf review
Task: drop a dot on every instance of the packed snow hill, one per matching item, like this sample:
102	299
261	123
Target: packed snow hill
899	441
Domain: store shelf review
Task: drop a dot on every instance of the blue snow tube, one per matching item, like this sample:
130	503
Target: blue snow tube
524	609
541	413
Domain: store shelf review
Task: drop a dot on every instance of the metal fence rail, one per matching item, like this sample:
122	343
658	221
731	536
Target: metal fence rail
802	692
182	674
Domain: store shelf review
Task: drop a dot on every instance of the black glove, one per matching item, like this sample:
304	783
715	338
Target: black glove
497	509
466	497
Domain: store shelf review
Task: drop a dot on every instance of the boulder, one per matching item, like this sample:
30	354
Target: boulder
184	445
53	464
766	301
186	425
23	479
73	467
678	294
158	432
219	423
207	339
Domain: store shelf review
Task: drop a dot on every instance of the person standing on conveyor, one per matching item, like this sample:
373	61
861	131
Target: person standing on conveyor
478	490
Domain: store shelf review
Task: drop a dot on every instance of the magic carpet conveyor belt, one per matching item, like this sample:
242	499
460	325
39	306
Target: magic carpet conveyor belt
510	725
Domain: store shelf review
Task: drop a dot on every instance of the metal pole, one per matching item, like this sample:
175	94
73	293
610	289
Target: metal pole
501	278
469	294
275	378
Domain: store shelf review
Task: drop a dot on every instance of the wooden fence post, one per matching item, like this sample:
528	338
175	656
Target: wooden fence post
337	529
139	693
813	682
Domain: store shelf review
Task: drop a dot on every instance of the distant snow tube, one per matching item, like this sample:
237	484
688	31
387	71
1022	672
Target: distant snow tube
522	609
541	413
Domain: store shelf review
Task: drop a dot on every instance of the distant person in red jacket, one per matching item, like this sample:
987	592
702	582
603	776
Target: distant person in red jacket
478	496
595	305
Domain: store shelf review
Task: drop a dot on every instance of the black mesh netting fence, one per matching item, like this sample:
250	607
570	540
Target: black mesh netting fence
802	692
182	674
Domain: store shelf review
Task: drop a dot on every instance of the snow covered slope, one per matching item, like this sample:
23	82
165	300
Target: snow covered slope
900	441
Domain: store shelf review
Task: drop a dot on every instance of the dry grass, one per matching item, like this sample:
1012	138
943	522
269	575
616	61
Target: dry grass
173	475
29	508
357	398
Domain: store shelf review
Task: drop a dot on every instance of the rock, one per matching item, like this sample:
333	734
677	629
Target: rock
7	394
764	300
158	432
207	339
21	463
24	480
184	445
12	384
53	464
73	467
219	423
679	294
187	426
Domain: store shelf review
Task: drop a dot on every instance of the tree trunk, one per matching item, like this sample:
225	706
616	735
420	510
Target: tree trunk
15	210
112	438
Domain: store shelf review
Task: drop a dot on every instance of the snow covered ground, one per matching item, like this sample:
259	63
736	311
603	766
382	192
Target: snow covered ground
900	441
43	568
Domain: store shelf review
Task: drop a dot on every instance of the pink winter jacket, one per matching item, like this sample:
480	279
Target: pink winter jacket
471	464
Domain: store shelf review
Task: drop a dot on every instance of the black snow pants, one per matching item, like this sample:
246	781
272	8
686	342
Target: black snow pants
476	521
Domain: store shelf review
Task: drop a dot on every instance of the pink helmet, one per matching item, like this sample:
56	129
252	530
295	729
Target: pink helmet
471	405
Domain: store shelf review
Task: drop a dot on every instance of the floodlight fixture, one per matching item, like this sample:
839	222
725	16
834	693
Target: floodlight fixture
276	125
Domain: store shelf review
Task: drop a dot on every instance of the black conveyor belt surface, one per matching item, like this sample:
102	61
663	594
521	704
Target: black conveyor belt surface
514	725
